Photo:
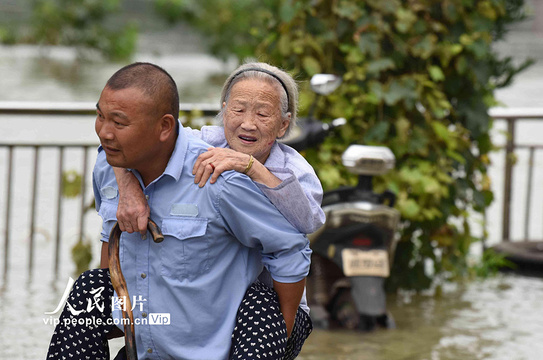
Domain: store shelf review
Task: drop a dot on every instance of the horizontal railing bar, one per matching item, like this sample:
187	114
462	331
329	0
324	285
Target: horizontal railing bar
60	144
51	145
528	146
82	108
89	108
516	113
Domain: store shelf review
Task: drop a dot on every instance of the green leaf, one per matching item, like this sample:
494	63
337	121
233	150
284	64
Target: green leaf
409	208
400	90
461	65
376	88
377	133
284	44
369	44
441	131
384	6
375	67
82	255
402	129
348	10
430	185
456	156
436	73
405	20
482	198
286	11
418	142
71	183
425	47
311	65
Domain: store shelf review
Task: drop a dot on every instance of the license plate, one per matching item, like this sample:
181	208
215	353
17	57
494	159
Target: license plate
365	263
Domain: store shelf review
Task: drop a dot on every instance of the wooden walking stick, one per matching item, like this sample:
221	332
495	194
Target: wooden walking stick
119	284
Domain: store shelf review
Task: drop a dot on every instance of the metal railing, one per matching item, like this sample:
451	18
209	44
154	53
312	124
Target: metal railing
510	116
34	185
61	109
81	108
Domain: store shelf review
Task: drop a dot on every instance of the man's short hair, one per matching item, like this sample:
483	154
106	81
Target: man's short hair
153	80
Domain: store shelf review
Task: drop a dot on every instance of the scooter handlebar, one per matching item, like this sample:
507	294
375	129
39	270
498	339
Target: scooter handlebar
338	122
311	132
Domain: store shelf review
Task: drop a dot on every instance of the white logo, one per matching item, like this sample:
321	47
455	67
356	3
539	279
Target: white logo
159	319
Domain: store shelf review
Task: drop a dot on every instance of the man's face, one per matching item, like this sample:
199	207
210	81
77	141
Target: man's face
127	126
252	118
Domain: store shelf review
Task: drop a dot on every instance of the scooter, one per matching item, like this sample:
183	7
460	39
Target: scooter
354	249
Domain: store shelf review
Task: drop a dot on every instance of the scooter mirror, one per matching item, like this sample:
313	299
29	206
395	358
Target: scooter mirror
368	160
325	84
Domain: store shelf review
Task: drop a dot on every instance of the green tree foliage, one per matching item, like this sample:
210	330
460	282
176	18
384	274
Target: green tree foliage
82	250
82	256
230	26
85	24
418	77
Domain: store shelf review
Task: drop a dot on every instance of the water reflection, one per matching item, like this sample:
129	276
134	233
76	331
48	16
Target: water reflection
499	319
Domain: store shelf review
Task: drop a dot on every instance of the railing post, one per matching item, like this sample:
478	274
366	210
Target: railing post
83	186
529	193
59	209
8	212
509	148
33	212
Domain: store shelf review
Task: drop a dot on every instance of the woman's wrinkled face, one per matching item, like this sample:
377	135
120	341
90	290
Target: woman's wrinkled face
252	118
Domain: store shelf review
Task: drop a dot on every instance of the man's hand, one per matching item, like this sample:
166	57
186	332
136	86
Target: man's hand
133	210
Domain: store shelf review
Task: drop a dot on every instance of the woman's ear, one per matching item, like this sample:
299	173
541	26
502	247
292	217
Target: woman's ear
167	126
284	126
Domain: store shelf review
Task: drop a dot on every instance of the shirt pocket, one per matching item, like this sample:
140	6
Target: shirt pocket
185	250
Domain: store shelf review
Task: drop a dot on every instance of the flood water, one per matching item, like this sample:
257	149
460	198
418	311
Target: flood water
499	318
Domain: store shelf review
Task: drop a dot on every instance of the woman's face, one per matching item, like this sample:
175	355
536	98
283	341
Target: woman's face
252	118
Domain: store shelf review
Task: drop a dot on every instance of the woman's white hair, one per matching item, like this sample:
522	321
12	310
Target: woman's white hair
283	82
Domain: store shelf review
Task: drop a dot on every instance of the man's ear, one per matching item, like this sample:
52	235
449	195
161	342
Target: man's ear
167	126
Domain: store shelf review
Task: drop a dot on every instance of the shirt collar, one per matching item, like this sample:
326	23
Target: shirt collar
276	158
177	159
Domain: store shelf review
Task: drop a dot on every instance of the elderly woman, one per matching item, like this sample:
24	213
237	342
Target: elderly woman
259	105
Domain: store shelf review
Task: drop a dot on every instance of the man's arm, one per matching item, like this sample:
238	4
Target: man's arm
256	223
133	210
290	296
104	259
98	201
